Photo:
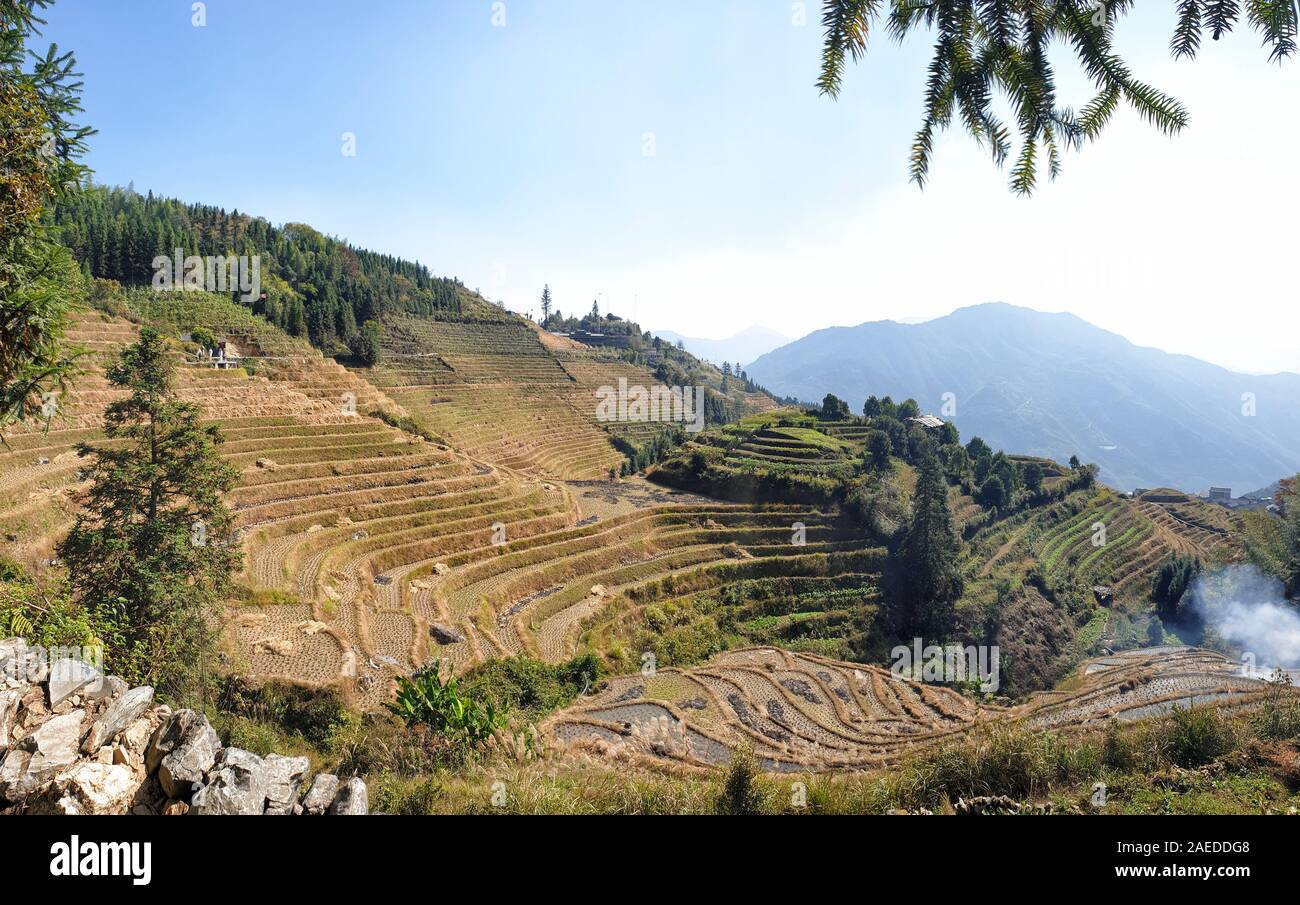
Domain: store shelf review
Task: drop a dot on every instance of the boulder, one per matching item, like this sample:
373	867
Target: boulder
444	634
69	677
41	756
280	647
110	688
351	799
182	750
135	738
8	716
92	788
321	794
283	776
13	771
441	568
119	715
20	666
236	785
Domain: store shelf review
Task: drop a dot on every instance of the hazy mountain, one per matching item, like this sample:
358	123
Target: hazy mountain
1055	385
742	348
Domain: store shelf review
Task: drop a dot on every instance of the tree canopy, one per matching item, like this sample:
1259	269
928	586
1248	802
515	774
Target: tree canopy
928	554
316	286
984	48
39	151
153	541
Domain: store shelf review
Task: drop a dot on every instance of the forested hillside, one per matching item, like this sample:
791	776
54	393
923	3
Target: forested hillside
316	286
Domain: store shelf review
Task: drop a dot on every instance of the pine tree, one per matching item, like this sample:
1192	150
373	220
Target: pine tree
546	304
878	449
39	149
153	547
928	556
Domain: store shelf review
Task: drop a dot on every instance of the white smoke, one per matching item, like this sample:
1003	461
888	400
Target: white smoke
1250	612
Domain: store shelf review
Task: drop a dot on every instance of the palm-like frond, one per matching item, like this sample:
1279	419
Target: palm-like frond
847	24
987	47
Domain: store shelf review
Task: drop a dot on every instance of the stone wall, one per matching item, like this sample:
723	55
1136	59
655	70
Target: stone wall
75	741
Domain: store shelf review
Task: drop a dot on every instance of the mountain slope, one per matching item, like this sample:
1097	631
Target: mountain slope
1054	385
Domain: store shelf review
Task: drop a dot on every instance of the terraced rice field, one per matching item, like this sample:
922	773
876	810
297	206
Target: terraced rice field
802	713
449	375
804	448
504	535
39	466
372	535
1138	536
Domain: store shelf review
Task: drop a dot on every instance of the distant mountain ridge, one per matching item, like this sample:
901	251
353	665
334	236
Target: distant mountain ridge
1055	385
742	348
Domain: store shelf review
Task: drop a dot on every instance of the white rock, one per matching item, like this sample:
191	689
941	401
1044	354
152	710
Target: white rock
97	788
237	784
321	794
136	736
69	676
51	748
283	776
351	799
280	647
120	714
8	716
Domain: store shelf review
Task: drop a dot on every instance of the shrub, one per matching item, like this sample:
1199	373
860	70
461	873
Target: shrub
741	793
427	699
316	714
1195	736
999	759
1278	718
1171	582
203	337
531	686
47	615
405	423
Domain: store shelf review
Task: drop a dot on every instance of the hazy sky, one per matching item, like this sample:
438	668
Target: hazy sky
675	159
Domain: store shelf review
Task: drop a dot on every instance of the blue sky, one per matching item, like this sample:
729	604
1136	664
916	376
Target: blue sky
515	155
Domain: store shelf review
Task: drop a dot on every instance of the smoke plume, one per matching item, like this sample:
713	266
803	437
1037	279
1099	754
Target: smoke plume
1250	612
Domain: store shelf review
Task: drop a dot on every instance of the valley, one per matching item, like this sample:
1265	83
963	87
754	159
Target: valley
739	598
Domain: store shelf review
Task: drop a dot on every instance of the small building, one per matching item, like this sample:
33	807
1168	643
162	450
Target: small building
929	422
223	357
1220	494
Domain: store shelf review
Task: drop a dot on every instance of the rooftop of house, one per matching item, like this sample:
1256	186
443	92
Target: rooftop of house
928	421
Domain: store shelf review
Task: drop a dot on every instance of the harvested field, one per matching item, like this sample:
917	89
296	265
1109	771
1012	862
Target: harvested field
800	712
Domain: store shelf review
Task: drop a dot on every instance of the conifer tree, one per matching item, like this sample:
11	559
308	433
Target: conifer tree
928	556
153	543
39	151
546	304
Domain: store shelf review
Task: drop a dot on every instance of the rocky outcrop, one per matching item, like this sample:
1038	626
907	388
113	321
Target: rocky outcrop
321	794
444	634
75	741
181	752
